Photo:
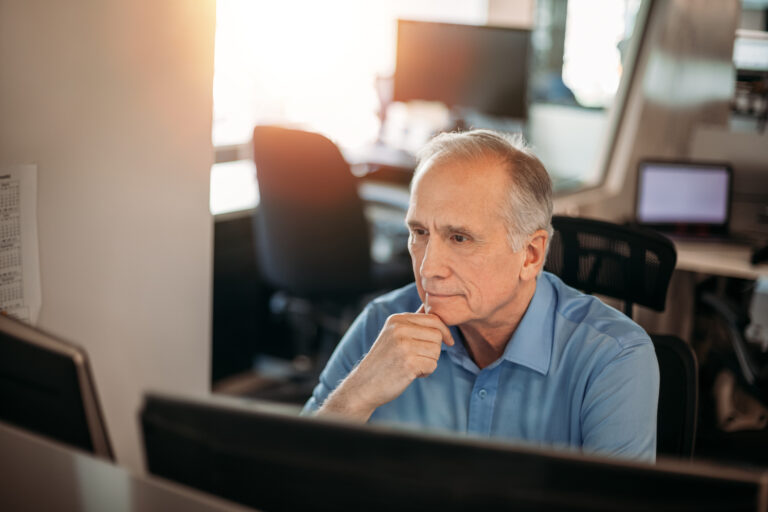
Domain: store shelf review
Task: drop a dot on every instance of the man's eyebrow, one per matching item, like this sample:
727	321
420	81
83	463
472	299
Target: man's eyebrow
448	228
457	229
411	223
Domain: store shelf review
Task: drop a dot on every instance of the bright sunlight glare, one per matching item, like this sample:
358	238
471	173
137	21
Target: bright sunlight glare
311	64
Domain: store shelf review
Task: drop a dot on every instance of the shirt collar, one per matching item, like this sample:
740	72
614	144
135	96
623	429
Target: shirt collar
531	343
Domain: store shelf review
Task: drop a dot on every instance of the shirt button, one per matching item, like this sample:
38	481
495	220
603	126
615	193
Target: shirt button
482	394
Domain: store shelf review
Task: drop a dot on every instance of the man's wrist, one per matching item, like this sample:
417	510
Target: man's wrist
347	401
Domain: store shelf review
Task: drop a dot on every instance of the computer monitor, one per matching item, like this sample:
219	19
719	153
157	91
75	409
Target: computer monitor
477	67
684	197
265	456
46	387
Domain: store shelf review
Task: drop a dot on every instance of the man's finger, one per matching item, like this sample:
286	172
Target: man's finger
434	321
447	336
422	332
427	349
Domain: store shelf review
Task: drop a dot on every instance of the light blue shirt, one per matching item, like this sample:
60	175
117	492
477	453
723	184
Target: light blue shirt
576	373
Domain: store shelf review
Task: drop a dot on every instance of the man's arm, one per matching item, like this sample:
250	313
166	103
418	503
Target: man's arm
619	410
407	347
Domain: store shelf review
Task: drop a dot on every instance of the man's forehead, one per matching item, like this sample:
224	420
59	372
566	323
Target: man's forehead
479	180
454	208
445	169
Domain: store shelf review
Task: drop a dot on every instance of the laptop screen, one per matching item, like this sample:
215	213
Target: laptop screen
683	194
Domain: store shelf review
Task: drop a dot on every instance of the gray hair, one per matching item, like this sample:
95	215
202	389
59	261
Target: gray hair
528	206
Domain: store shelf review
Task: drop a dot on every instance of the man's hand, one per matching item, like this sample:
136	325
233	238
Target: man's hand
408	347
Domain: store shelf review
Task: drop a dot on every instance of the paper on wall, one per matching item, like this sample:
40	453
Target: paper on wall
20	295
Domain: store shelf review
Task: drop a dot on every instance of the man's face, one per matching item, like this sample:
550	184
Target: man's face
465	269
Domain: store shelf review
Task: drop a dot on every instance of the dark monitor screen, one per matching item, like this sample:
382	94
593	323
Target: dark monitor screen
478	67
265	456
46	387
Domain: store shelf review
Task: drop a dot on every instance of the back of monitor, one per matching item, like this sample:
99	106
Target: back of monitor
46	387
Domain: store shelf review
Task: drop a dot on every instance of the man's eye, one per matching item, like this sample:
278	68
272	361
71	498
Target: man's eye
459	238
417	235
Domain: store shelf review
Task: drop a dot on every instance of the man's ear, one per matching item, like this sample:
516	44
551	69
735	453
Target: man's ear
535	255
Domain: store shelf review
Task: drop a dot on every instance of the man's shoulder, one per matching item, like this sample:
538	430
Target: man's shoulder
592	318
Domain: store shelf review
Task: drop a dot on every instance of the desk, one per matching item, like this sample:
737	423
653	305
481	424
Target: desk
379	155
37	474
234	190
695	261
717	258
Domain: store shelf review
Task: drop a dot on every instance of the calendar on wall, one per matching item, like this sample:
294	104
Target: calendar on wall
20	295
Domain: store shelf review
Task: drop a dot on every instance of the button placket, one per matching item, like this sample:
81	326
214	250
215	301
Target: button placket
481	401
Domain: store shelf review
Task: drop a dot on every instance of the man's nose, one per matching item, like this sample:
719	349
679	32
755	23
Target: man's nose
434	263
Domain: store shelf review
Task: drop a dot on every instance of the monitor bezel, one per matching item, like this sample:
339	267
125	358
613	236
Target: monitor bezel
91	406
694	229
287	416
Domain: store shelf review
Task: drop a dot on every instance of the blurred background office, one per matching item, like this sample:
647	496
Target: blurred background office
377	80
374	85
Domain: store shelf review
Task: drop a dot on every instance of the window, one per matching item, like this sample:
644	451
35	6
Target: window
313	64
579	47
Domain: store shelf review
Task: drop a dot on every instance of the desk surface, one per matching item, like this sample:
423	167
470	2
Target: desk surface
41	475
717	258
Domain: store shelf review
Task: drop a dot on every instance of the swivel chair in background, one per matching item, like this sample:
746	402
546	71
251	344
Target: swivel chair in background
635	266
734	375
313	240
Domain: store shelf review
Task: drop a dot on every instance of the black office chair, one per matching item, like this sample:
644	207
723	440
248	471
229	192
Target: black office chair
634	265
313	240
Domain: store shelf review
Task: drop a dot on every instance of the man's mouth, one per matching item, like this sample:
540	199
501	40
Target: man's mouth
432	295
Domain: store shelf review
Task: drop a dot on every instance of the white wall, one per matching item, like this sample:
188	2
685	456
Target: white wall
747	152
113	101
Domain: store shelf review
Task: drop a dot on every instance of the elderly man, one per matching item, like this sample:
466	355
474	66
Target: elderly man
484	342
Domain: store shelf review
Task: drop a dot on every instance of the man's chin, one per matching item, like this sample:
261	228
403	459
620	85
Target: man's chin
448	316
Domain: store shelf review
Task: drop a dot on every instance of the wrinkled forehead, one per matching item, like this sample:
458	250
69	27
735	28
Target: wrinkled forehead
478	184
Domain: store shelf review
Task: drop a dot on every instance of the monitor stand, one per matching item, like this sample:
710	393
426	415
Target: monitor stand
463	119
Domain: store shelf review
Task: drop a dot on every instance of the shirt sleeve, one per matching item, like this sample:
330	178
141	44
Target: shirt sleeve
354	345
619	410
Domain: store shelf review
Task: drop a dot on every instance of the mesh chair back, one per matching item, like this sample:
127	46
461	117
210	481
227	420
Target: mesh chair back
311	233
627	263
